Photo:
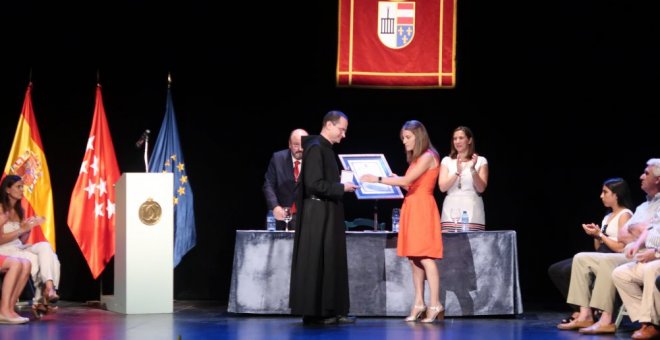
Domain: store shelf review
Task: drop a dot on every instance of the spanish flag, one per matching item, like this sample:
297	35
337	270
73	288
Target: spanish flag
28	160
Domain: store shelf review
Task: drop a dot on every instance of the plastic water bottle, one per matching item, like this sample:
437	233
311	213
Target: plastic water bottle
396	215
270	221
465	219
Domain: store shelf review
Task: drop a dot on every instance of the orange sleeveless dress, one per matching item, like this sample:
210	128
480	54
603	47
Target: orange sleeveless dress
420	233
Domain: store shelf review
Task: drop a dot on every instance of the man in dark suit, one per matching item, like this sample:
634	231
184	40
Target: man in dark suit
280	182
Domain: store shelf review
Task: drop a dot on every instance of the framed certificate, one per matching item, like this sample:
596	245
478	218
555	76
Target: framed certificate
375	164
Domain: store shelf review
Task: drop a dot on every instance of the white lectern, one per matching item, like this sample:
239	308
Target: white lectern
143	245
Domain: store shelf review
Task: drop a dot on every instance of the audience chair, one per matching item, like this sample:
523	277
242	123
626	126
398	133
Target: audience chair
622	312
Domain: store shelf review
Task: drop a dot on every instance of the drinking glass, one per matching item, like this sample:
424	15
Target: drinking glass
287	217
455	214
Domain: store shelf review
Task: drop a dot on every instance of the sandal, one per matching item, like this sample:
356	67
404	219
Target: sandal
597	314
53	298
568	319
39	310
49	296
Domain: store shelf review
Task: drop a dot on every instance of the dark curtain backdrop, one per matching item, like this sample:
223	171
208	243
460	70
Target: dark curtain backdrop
561	95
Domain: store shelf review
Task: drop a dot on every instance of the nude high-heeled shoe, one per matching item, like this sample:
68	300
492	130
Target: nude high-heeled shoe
416	313
433	313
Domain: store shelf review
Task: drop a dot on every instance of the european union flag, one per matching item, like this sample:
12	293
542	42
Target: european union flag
168	157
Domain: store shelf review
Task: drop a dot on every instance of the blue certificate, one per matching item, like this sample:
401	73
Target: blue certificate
374	164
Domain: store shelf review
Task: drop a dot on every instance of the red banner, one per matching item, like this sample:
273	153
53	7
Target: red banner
397	43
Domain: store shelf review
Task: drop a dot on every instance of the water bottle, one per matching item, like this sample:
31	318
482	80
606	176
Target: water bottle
396	215
270	221
465	219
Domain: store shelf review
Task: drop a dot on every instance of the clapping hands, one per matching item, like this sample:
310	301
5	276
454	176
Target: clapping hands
471	164
591	229
32	222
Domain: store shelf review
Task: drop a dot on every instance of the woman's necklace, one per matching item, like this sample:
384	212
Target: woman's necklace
460	173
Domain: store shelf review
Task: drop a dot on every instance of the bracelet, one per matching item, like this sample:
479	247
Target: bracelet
457	174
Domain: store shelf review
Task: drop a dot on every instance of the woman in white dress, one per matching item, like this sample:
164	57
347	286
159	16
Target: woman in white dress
464	177
14	231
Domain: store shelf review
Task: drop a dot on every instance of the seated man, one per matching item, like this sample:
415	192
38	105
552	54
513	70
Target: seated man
602	265
636	280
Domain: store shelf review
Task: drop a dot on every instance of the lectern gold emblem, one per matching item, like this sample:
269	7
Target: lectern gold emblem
150	212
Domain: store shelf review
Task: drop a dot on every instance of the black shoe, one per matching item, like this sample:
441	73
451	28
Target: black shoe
319	320
345	319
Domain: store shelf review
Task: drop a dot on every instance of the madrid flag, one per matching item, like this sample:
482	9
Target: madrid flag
27	159
397	44
92	207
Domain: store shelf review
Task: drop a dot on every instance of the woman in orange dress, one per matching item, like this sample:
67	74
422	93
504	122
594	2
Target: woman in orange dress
420	237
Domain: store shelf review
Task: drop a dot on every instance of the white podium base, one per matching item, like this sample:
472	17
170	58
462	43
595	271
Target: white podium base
143	250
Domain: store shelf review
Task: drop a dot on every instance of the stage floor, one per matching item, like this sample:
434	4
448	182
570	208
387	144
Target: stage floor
210	320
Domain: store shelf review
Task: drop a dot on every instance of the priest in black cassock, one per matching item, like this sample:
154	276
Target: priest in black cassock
319	269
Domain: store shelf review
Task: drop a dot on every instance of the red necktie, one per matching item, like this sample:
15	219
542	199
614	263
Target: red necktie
296	170
296	173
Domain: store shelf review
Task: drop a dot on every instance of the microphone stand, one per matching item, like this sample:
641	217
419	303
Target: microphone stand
146	151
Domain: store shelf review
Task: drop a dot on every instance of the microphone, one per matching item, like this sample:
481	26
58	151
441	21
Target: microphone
143	138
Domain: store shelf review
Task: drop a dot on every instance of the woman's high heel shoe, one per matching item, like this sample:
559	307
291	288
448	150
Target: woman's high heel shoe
53	297
434	312
416	313
49	295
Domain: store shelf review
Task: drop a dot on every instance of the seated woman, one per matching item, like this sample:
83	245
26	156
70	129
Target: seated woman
17	272
616	198
609	242
15	228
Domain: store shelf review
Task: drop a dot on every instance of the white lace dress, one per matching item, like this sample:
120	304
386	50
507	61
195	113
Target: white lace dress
464	198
